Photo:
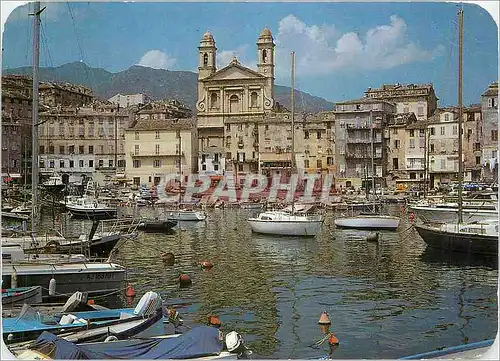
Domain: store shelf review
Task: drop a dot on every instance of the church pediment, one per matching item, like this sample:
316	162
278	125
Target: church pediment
233	72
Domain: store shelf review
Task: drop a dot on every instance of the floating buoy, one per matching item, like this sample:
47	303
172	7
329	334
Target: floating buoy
168	258
323	319
130	292
184	280
206	264
52	287
372	237
90	302
214	321
332	340
13	279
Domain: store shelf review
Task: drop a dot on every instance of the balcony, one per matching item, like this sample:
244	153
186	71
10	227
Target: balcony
353	155
353	140
154	154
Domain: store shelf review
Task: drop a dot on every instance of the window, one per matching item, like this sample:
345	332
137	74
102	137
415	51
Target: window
216	167
234	104
228	155
136	149
396	144
228	127
72	164
478	160
216	158
431	148
494	134
157	163
91	149
61	130
110	163
492	103
455	129
253	100
136	135
432	130
203	167
51	164
318	134
267	127
306	134
329	161
91	131
157	149
51	149
413	175
442	130
51	131
412	133
421	132
306	163
61	149
91	163
42	164
214	100
101	163
420	111
81	163
412	143
61	164
395	163
240	127
264	56
319	164
205	59
81	149
136	163
101	149
41	149
137	181
240	167
157	135
71	149
446	117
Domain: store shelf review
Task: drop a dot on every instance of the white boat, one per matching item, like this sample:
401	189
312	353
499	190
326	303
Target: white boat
368	222
449	214
54	182
287	222
89	207
251	205
186	215
24	208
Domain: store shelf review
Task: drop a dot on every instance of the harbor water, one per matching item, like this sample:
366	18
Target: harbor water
385	299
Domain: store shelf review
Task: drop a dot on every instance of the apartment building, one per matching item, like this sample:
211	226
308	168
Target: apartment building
53	94
128	100
359	138
408	98
86	141
472	143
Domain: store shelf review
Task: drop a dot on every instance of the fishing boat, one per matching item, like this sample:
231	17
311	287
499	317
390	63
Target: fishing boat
202	343
142	321
21	295
90	207
372	220
54	183
461	236
288	222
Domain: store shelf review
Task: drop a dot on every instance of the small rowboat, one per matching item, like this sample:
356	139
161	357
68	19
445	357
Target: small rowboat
28	295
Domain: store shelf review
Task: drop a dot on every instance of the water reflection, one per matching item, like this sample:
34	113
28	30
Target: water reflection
385	299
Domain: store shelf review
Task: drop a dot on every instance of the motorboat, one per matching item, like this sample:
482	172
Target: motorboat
89	207
368	221
433	213
156	225
185	215
477	237
54	182
289	221
21	295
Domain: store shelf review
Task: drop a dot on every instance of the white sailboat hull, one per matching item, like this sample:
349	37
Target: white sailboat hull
186	215
450	215
281	223
368	222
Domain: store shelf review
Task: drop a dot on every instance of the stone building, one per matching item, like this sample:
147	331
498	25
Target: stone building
16	126
489	107
128	100
354	122
472	143
231	101
410	98
65	94
158	147
83	140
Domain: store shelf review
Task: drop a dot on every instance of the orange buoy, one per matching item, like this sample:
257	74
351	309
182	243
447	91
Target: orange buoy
332	340
206	264
130	292
323	319
184	280
214	321
90	302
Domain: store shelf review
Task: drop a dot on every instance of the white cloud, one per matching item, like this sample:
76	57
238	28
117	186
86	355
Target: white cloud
321	49
157	59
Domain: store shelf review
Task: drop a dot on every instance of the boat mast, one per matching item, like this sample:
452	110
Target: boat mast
373	154
292	100
34	131
460	114
178	134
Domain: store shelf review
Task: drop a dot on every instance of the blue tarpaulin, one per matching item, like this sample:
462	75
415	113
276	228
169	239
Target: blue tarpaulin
198	342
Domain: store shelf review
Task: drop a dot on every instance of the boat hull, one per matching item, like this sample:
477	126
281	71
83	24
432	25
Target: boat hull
450	215
457	242
16	296
91	213
186	216
286	227
157	226
368	222
93	278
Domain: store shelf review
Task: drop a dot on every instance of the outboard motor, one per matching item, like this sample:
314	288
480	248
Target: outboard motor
236	344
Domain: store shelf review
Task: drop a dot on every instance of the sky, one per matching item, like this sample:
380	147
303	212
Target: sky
341	49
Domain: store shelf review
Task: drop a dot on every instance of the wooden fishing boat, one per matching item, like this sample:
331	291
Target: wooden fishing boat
27	295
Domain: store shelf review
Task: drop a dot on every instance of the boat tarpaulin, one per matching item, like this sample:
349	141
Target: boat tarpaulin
198	342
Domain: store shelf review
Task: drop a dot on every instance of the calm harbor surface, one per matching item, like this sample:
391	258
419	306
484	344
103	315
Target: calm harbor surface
385	300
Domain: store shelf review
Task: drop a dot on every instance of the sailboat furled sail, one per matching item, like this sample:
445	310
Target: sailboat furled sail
293	220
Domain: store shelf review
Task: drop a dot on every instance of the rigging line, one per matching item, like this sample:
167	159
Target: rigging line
48	58
28	35
90	83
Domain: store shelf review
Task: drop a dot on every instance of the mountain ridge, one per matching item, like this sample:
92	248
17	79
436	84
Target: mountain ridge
156	83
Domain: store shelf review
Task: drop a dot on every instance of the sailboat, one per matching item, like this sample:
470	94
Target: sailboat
184	214
294	220
470	237
372	220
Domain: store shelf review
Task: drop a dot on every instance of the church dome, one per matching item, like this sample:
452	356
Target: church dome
207	36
